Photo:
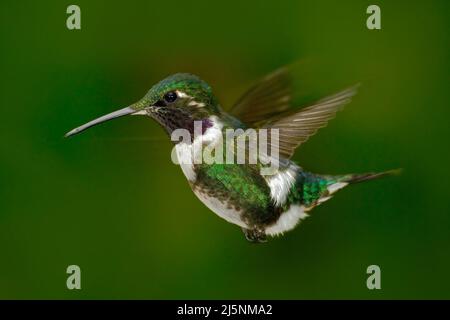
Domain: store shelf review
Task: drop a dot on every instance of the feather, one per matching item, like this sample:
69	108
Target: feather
295	128
266	99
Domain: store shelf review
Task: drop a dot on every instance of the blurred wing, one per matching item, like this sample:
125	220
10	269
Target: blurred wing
296	128
267	98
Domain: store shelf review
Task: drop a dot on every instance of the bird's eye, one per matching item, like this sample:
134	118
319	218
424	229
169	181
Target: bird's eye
170	96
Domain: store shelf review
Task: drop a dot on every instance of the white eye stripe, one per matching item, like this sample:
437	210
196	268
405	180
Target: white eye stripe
191	103
181	94
194	103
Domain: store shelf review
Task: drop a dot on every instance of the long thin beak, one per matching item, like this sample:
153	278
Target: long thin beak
112	115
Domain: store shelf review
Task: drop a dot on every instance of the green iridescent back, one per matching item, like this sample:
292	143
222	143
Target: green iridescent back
309	188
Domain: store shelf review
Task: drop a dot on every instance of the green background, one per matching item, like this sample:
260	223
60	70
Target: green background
111	201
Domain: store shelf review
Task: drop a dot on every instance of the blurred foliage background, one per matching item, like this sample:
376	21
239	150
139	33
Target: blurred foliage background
112	202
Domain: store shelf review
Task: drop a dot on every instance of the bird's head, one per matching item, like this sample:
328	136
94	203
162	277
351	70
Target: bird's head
175	103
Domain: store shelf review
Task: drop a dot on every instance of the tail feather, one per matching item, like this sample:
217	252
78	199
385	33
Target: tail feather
335	183
316	189
355	178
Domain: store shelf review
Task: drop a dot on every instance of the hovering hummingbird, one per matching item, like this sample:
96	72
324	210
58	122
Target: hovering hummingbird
262	205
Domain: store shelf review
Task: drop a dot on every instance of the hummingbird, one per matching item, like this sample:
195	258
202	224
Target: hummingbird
262	205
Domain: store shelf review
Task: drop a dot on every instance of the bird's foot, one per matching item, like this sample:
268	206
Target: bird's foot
255	235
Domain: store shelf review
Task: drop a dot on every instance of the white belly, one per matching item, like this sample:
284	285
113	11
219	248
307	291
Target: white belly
221	209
